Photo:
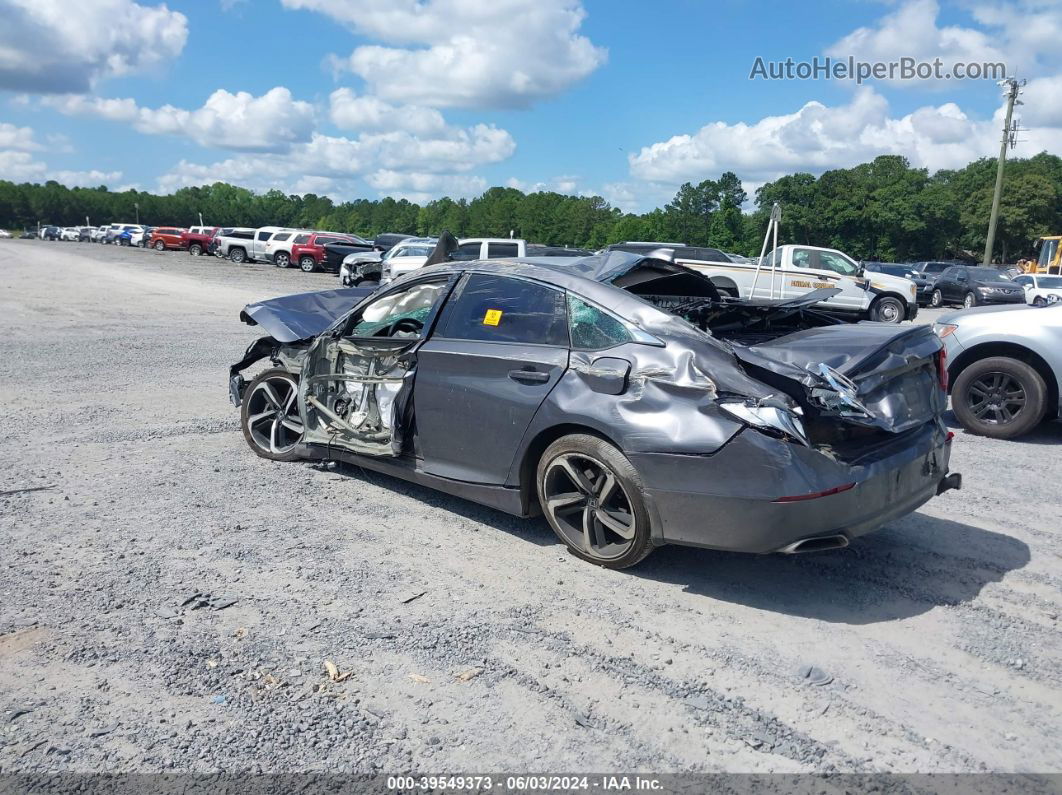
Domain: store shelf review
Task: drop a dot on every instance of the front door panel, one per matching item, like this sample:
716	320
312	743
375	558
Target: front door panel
473	401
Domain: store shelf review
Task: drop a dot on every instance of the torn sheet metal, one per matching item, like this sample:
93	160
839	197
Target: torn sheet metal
305	315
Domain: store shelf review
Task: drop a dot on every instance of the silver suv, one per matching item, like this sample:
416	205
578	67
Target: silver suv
1004	367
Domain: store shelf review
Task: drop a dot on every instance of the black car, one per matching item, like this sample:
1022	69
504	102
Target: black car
934	268
622	396
27	234
51	233
970	286
923	282
334	253
388	240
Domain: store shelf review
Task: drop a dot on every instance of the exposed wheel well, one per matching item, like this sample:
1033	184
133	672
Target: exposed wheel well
538	445
726	285
1013	351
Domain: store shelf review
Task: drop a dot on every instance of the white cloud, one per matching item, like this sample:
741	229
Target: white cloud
272	122
21	166
62	46
87	179
456	53
563	184
1024	35
817	138
12	137
395	163
349	111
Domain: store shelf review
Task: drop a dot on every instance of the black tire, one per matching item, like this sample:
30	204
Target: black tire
1039	301
195	249
307	264
160	246
237	255
970	300
259	433
936	299
282	259
986	392
888	309
623	504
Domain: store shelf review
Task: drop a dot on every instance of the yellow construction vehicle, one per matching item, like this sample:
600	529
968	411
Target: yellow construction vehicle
1050	259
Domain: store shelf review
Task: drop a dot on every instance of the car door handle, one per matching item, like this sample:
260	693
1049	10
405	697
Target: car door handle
529	376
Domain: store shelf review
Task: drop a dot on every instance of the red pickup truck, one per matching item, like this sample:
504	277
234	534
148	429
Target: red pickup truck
307	248
196	240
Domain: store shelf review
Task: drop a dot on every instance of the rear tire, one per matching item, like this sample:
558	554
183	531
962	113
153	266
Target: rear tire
593	498
970	300
195	249
237	255
282	259
308	264
1039	301
937	299
160	246
888	310
999	397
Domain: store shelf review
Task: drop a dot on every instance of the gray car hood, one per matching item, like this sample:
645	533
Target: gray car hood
301	316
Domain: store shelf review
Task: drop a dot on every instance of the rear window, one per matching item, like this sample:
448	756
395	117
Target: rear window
467	251
498	250
281	236
243	235
500	309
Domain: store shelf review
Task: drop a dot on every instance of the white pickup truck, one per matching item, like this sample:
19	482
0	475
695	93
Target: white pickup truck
791	271
243	244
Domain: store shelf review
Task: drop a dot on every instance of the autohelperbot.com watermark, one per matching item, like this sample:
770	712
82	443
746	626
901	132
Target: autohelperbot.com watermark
850	68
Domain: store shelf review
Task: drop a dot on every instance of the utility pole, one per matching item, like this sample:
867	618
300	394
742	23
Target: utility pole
1013	89
137	205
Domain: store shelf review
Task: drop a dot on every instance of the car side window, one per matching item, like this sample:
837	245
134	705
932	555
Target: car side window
466	251
499	250
802	258
502	309
593	329
1023	280
402	313
301	239
838	264
263	236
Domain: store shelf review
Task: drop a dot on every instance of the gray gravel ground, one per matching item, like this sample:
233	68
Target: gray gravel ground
935	643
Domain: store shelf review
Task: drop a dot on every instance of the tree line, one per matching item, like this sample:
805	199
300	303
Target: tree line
882	210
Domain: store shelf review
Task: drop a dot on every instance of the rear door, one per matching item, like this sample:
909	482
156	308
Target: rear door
356	385
500	347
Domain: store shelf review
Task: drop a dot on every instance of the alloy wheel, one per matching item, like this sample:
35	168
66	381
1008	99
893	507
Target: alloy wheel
996	398
282	260
936	299
273	415
969	301
588	504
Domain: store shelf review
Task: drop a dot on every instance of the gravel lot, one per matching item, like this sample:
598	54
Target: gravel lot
473	642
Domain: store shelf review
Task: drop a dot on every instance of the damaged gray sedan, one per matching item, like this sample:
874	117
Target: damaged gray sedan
620	395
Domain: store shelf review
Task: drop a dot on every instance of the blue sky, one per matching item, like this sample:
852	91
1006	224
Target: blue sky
422	98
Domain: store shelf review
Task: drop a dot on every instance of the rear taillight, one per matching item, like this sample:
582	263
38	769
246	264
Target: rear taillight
942	368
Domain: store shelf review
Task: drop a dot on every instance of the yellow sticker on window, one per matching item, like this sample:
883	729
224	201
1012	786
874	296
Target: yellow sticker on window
492	318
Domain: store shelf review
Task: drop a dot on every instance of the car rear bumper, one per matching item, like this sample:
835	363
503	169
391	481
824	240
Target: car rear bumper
756	494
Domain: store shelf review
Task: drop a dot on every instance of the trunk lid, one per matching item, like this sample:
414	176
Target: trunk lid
873	375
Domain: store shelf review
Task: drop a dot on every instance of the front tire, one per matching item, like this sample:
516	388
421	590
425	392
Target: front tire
308	264
999	397
269	416
592	497
888	310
